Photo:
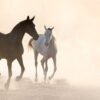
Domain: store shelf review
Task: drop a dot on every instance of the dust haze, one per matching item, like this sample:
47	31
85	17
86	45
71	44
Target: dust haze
76	28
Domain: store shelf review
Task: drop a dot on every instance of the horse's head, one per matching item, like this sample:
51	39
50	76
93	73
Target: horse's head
30	28
48	35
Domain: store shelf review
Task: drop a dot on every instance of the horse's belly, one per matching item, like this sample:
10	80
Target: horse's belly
9	53
3	53
42	51
40	47
6	55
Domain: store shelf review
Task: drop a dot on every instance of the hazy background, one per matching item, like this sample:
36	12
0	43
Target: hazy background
77	35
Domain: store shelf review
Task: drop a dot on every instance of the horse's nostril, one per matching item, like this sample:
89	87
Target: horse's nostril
36	37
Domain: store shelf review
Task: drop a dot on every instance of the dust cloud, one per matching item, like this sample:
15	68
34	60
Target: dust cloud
76	28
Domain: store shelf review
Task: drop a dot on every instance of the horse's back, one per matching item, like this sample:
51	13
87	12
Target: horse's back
2	40
2	35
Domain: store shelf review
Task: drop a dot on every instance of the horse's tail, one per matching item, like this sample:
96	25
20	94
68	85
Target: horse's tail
30	44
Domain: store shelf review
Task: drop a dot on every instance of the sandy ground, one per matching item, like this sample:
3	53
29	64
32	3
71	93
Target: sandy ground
26	89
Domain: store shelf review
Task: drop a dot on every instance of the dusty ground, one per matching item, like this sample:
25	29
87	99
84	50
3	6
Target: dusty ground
26	89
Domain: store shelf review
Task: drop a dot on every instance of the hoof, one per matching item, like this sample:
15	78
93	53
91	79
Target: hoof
50	78
44	79
36	80
7	86
18	78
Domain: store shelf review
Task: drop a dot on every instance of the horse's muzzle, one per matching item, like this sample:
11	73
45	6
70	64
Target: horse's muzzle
36	37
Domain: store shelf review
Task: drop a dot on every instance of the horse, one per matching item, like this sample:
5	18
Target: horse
11	47
46	46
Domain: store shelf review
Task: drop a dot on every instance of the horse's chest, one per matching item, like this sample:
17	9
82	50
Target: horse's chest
41	49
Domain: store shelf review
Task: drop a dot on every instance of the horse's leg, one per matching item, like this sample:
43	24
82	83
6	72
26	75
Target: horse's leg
42	63
46	69
22	68
55	68
0	73
35	56
9	63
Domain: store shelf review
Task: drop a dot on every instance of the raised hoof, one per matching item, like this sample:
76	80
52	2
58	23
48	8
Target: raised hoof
36	80
50	78
18	78
7	86
44	79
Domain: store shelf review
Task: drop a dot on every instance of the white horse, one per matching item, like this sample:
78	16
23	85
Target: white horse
46	46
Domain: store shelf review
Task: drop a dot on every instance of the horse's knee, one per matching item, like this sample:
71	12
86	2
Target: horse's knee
23	69
46	69
10	74
55	69
42	62
36	63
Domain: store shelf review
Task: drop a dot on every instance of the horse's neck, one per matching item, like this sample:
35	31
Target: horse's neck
18	36
52	42
17	33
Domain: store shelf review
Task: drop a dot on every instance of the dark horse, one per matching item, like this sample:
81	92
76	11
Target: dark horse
11	47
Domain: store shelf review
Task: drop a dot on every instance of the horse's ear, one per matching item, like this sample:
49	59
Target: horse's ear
52	28
27	17
32	18
45	27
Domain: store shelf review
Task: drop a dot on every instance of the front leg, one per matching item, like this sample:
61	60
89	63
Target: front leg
35	56
22	68
55	68
44	59
9	63
46	69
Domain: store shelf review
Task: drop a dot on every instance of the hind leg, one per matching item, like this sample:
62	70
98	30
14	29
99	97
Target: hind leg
9	63
22	68
55	68
0	73
35	56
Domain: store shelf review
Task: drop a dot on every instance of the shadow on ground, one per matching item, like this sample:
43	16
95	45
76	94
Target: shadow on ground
26	89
